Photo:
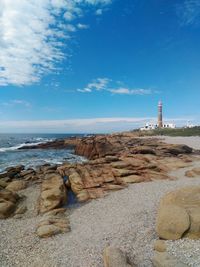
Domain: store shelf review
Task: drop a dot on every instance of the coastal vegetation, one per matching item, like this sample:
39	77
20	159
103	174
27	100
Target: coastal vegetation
194	131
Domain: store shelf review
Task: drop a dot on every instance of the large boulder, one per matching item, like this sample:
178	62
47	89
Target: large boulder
172	222
16	185
8	203
95	147
114	257
6	208
53	193
179	214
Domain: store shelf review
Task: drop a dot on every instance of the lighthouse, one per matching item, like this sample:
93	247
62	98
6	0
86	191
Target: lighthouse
159	124
160	121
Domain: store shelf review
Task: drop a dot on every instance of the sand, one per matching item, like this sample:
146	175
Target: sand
192	141
125	219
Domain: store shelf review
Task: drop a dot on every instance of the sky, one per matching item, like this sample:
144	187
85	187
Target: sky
93	66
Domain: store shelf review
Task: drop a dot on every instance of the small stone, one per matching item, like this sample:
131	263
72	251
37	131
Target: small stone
160	246
21	209
48	230
114	257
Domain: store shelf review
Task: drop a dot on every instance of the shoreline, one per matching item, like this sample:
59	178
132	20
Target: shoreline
94	225
124	218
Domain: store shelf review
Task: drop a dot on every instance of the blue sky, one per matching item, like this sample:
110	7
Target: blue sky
97	65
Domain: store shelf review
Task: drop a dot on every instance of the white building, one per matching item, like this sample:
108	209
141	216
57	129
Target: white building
151	126
190	125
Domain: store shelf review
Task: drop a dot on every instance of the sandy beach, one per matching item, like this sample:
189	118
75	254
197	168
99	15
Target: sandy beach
125	219
192	141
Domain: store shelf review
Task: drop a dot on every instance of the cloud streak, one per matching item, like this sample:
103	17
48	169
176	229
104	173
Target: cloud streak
105	84
98	85
127	91
17	102
188	12
32	35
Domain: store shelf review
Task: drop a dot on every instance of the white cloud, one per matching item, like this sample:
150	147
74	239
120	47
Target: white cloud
126	91
99	12
84	90
93	125
32	34
104	84
188	12
98	84
70	28
17	102
82	26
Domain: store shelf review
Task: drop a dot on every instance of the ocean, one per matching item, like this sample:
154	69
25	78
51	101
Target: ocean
11	156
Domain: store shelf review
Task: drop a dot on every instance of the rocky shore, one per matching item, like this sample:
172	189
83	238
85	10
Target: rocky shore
35	202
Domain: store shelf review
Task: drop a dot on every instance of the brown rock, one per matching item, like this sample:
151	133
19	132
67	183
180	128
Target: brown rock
21	209
55	212
160	246
172	222
132	179
114	257
194	231
47	167
16	186
53	193
143	150
184	203
8	203
27	172
111	159
76	182
175	150
113	187
6	209
48	230
193	173
6	179
83	196
150	175
9	196
114	159
3	183
54	222
121	165
13	171
123	172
